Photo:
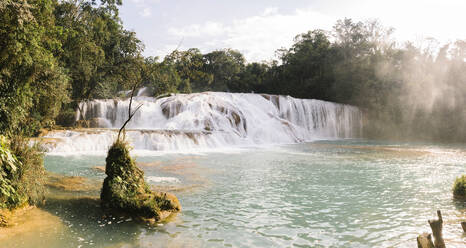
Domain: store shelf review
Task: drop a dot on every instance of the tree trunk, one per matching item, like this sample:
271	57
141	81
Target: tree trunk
463	224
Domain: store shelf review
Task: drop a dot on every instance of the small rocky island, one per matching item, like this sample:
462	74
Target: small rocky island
125	191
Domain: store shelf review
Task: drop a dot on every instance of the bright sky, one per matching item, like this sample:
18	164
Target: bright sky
257	28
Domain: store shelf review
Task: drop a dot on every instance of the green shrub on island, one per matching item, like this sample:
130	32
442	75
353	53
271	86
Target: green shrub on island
459	188
125	191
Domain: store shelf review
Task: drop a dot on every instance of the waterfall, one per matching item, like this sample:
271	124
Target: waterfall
209	120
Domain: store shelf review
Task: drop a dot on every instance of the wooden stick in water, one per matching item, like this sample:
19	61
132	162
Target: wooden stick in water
436	226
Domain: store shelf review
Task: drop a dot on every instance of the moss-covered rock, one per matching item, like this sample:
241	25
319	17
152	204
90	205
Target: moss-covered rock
125	190
459	188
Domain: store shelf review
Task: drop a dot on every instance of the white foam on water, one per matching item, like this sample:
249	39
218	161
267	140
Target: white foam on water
163	179
208	121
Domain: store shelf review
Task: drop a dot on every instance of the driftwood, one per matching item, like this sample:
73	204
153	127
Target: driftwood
436	226
425	240
463	224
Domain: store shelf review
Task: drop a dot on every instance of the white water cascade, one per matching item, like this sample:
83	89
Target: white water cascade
207	120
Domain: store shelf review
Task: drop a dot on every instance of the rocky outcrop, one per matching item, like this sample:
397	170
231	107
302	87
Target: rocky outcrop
170	108
125	191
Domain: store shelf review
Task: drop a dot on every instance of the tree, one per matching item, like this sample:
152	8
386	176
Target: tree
251	78
190	66
306	66
224	65
162	77
32	84
100	54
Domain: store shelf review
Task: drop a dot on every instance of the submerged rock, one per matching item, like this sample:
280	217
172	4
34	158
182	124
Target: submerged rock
70	183
171	108
124	189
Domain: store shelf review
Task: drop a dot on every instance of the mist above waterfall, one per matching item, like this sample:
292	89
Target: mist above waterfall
425	95
211	120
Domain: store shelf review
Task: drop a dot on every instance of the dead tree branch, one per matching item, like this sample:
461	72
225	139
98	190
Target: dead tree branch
130	114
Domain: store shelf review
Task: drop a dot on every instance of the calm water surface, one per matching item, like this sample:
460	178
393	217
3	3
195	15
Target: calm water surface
324	194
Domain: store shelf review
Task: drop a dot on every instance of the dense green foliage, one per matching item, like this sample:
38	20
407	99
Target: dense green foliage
125	190
32	84
21	174
53	53
8	173
100	55
31	171
459	187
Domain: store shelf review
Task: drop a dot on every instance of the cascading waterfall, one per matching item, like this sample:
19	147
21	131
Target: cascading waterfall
208	120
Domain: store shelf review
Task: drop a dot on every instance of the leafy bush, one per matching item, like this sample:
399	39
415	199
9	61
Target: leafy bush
459	188
9	197
31	179
66	118
21	173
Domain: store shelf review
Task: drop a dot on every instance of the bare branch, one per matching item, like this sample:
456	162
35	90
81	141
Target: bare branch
179	44
130	114
131	99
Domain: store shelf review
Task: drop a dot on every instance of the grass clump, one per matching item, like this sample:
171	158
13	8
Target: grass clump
125	190
459	188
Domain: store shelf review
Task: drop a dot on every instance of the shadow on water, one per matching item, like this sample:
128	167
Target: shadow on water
72	217
87	224
75	202
460	205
